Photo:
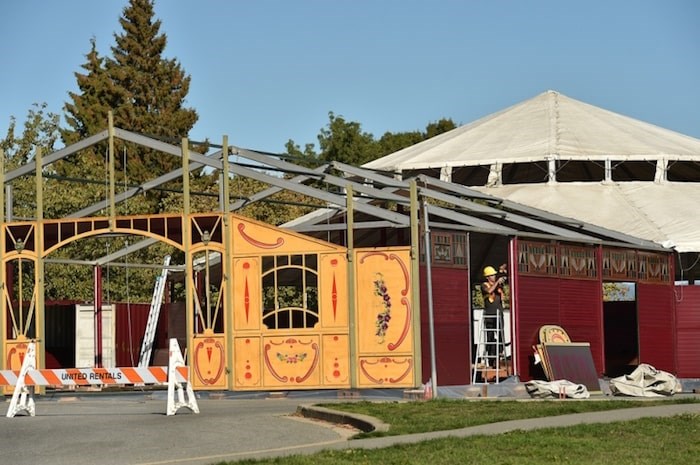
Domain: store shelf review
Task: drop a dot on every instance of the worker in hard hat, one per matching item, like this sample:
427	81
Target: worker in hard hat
492	290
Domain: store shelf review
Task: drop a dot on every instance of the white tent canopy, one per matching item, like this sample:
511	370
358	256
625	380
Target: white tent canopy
548	126
663	213
550	133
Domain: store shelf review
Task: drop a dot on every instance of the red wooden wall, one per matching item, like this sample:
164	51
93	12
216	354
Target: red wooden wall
575	305
687	299
128	342
656	321
451	321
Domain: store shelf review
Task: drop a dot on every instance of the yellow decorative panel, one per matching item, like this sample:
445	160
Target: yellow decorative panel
333	283
247	366
208	361
255	238
385	372
384	309
246	293
291	361
336	366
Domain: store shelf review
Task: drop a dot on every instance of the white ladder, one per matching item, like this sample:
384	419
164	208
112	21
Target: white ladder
490	355
153	315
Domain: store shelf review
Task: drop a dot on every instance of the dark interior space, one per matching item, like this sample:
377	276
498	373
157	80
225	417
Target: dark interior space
525	173
577	170
621	339
60	335
633	170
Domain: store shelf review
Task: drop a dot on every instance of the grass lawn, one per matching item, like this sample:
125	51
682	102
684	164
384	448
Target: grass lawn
646	441
446	414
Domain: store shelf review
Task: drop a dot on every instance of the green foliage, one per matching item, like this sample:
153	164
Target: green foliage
478	296
344	141
40	131
618	292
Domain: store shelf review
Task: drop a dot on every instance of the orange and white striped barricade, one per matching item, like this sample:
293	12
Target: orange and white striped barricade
175	375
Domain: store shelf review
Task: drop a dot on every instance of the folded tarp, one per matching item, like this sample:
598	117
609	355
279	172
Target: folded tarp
645	381
559	389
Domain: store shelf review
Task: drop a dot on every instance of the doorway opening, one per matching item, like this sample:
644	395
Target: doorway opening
620	328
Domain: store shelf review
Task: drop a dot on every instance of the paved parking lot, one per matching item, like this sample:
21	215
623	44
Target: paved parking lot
133	429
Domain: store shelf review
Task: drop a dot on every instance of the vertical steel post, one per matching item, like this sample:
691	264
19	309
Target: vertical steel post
97	293
429	288
470	308
3	277
187	243
514	317
352	324
415	285
39	268
112	226
226	264
112	182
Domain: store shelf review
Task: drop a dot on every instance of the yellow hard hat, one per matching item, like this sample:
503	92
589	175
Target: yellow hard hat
489	271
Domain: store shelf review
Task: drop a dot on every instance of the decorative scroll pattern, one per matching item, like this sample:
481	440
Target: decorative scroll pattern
578	262
404	292
619	264
537	259
459	248
386	369
442	248
249	239
630	265
448	248
653	267
209	361
297	356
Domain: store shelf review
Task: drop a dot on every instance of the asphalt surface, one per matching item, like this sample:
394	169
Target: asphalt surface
134	430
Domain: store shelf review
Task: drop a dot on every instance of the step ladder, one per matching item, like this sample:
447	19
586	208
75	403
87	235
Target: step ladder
490	357
153	315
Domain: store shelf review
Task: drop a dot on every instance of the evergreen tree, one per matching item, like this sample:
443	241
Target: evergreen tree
146	93
153	88
87	114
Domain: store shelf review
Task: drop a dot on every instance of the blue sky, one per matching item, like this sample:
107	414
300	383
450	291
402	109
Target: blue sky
265	71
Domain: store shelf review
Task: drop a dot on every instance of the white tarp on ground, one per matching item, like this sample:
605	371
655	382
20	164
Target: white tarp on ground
646	381
665	213
558	389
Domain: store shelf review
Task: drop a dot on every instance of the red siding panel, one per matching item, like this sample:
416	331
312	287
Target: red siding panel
656	321
581	312
131	322
537	305
688	331
575	305
130	325
451	317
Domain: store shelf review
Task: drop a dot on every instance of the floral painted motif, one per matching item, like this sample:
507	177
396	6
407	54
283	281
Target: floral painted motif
294	358
383	317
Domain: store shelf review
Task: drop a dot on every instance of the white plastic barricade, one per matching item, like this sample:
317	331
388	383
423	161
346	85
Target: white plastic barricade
175	375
